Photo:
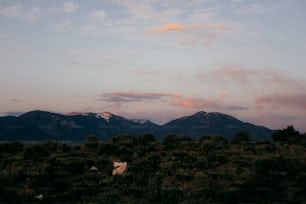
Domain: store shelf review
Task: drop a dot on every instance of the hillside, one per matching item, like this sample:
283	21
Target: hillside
215	123
42	125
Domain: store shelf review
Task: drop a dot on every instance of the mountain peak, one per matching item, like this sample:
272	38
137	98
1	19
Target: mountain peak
141	121
200	113
105	115
211	114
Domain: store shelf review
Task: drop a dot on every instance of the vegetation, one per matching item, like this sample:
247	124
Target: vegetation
290	136
242	136
176	170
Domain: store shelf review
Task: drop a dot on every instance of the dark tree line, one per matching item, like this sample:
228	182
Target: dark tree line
290	136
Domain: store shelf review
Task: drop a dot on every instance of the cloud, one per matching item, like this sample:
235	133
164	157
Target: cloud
235	107
191	35
198	103
254	8
161	12
70	7
195	103
181	27
101	59
293	100
15	100
235	73
17	11
173	100
217	27
172	27
134	20
11	11
12	113
135	97
33	14
138	9
228	72
63	25
97	14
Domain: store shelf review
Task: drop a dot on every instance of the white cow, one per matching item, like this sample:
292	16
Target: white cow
119	168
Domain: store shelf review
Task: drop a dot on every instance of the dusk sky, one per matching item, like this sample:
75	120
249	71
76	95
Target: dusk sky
156	59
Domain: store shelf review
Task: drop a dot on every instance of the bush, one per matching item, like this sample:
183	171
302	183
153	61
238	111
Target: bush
171	195
52	146
145	139
123	139
91	142
12	148
108	149
288	135
171	141
242	136
36	152
211	143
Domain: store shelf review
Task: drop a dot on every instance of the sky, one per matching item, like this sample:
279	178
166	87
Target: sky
156	59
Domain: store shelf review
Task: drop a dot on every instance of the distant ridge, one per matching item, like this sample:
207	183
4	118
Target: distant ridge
43	125
215	123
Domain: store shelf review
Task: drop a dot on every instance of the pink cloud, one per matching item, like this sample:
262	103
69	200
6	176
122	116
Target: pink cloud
218	27
177	99
199	103
294	100
236	73
171	27
181	27
192	35
228	72
194	103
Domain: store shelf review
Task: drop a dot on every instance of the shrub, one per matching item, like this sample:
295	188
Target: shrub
145	139
171	141
211	143
288	135
91	142
36	152
12	148
242	136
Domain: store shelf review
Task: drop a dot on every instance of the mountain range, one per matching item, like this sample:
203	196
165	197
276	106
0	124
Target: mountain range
42	125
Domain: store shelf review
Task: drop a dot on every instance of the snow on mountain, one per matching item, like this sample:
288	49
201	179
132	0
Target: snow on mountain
140	121
105	115
77	113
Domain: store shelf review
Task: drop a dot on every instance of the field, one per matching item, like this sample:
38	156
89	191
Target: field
177	170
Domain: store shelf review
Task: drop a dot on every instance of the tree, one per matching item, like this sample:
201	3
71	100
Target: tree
12	148
242	136
145	139
171	140
287	135
212	143
91	142
36	152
